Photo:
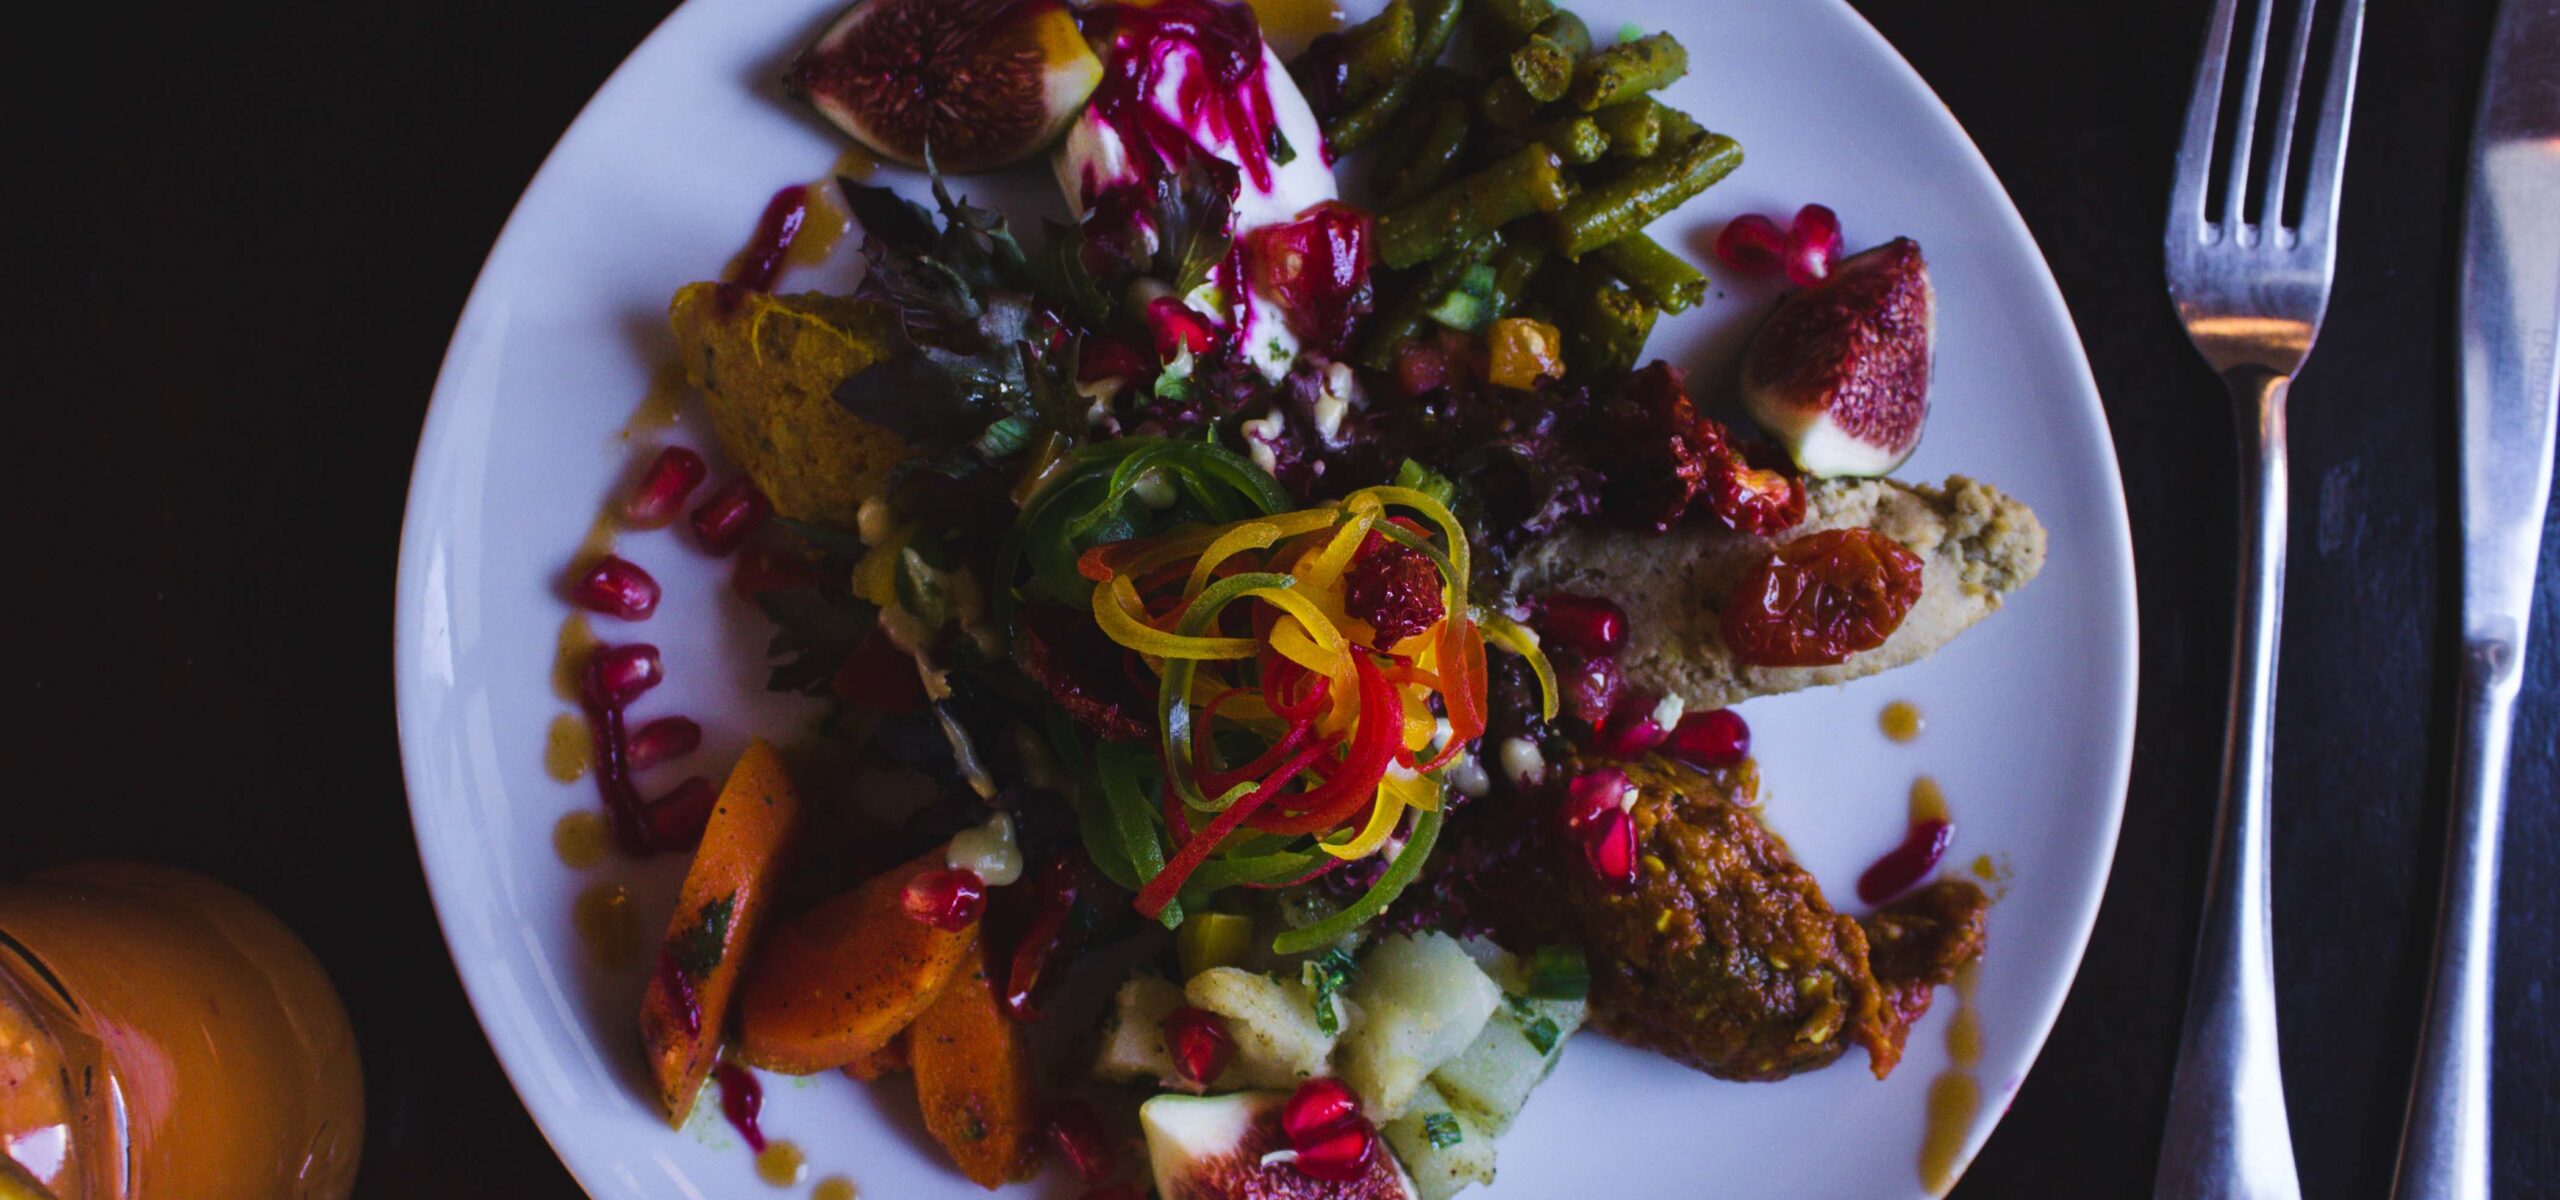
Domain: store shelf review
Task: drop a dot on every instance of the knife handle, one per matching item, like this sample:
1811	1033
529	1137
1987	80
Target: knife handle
2444	1146
2226	1137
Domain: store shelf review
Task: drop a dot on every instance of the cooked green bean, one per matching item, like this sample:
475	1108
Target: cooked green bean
1506	104
1401	321
1434	22
1678	128
1566	31
1628	70
1521	17
1656	275
1431	159
1377	50
1529	180
1576	139
1523	251
1648	189
1633	127
1543	68
1606	328
1355	126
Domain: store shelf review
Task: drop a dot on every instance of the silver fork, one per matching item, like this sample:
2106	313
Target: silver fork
2251	289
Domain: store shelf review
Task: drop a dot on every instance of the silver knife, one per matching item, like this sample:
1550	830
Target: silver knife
2510	338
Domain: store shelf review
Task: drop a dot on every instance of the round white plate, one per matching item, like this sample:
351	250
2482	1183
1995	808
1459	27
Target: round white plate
2030	716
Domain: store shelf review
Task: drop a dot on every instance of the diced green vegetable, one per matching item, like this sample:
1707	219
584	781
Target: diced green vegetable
1466	307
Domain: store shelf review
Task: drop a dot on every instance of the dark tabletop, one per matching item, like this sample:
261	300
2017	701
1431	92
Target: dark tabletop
238	240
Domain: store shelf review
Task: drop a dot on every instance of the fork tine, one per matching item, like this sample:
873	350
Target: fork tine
2204	110
2244	133
2324	172
2289	104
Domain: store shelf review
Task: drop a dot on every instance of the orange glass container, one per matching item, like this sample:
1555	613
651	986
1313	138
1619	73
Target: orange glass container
164	1038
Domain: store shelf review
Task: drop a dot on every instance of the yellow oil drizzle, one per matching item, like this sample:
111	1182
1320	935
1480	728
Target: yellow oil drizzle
581	839
569	750
599	541
1955	1096
608	924
569	666
782	1164
1901	721
1928	800
663	405
833	1187
855	164
821	227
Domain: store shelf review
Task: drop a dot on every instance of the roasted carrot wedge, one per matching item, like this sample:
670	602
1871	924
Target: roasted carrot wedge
835	983
973	1078
717	918
880	1064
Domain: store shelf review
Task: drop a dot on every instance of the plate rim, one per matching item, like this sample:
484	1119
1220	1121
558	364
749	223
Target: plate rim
2114	559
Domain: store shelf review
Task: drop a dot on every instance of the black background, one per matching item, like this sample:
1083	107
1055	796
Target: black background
238	236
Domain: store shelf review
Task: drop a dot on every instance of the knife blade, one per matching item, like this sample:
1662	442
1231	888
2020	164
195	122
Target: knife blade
2510	339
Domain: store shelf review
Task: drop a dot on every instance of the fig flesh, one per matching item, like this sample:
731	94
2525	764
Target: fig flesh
978	84
1840	372
1212	1148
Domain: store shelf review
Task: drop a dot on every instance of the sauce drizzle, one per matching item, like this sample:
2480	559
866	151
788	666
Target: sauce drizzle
608	923
1955	1096
742	1102
782	1164
580	839
567	752
1924	842
833	1187
1901	721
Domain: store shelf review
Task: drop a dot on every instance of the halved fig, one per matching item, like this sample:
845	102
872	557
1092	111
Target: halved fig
1213	1148
978	83
1840	372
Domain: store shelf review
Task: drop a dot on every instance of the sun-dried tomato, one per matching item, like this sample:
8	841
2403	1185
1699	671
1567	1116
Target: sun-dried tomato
1821	598
1751	488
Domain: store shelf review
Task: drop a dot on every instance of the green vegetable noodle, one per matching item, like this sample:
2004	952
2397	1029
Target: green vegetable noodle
1634	127
1656	275
1648	189
1530	180
1628	70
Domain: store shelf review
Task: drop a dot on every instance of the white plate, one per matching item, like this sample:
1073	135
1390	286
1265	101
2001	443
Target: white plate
658	181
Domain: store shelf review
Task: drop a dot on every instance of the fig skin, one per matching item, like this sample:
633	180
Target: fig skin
981	84
1839	373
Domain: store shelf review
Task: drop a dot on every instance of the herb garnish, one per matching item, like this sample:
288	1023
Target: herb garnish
1328	973
698	950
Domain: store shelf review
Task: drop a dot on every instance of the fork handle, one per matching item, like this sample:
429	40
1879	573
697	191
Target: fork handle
2444	1147
2226	1137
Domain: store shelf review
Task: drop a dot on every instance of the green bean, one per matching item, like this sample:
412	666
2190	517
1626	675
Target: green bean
1430	159
1434	22
1576	139
1567	32
1521	17
1648	189
1628	70
1529	180
1523	252
1606	328
1656	275
1633	127
1543	68
1377	50
1506	104
1679	129
1402	321
1355	126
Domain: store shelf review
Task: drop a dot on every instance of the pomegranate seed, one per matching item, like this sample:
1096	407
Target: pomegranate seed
1339	1156
616	675
1752	244
1593	795
674	821
1319	1107
1610	846
1813	245
670	478
1630	732
663	740
1593	625
948	899
1591	686
733	512
1177	328
1710	739
1199	1042
1078	1133
616	587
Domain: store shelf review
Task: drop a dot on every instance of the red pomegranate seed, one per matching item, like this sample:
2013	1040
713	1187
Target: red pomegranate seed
1710	739
663	740
948	899
1319	1107
1078	1134
1342	1155
1177	328
670	478
1752	244
1610	846
1813	245
616	587
616	675
1594	625
1593	795
1591	685
674	821
1199	1043
1630	732
733	512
